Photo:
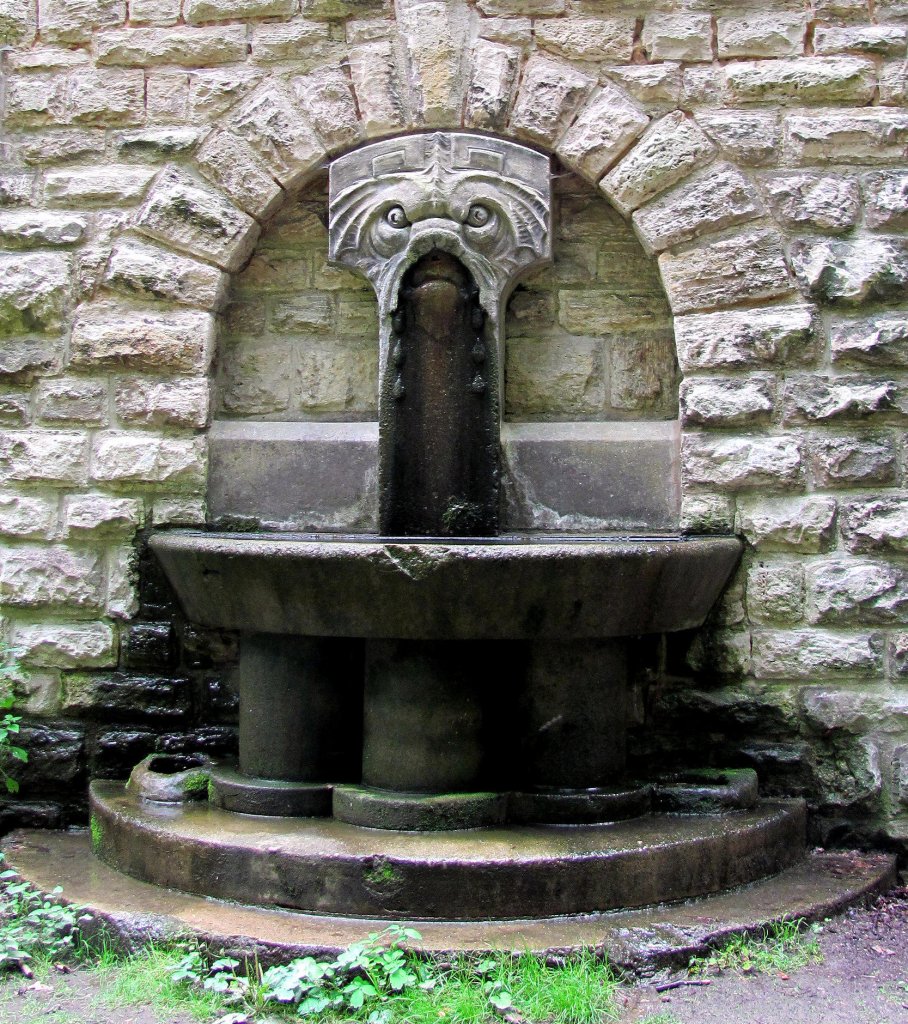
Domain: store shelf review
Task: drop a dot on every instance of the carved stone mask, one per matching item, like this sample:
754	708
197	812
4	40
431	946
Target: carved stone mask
485	201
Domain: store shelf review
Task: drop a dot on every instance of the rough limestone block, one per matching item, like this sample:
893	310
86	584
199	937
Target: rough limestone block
812	653
183	46
702	86
44	148
719	197
162	403
152	272
603	130
818	399
886	199
97	515
33	292
123	582
33	576
16	188
735	464
276	129
668	151
110	336
198	219
24	358
889	40
550	95
14	408
493	77
44	456
875	136
435	34
111	184
593	39
376	82
154	12
736	269
74	21
775	592
27	518
727	401
590	311
657	87
230	164
18	22
878	340
255	379
707	513
71	400
755	34
825	202
749	137
848	460
643	372
810	80
298	41
105	98
894	83
66	644
302	314
507	30
212	93
554	377
806	525
21	228
853	592
200	11
115	695
178	512
851	272
326	97
536	8
35	101
876	524
686	37
142	458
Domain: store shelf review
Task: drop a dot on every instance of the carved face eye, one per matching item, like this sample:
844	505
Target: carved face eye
478	215
396	217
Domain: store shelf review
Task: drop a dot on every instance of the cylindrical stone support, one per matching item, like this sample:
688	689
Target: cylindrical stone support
423	722
300	708
573	714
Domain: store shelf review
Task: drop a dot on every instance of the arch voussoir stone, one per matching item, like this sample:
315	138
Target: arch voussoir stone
668	151
193	217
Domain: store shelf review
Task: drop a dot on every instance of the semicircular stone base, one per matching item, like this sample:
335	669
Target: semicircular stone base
329	867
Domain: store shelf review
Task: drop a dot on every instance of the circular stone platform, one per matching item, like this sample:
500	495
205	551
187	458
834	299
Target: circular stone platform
324	866
133	913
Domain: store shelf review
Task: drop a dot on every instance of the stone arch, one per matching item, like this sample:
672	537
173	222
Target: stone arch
695	212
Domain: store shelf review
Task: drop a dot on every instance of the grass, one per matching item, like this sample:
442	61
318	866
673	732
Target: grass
144	979
780	948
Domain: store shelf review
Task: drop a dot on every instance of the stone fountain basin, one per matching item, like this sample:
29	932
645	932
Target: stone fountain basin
516	587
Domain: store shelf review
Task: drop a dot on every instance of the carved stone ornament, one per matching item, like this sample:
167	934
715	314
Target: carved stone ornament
483	200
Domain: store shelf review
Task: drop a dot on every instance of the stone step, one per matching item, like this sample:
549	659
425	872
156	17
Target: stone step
322	865
821	884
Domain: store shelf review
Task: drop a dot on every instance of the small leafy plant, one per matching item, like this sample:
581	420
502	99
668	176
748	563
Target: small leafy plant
33	923
9	723
364	973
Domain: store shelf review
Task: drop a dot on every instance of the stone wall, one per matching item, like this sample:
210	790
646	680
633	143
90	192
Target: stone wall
756	150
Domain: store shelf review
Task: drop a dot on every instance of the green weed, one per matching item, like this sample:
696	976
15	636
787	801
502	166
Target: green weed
782	947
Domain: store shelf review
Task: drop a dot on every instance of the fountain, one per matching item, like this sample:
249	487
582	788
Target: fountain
433	718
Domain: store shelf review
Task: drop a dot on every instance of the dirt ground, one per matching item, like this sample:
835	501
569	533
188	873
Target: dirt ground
863	979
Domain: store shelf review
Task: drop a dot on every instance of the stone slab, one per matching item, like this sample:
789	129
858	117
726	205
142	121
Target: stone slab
557	476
